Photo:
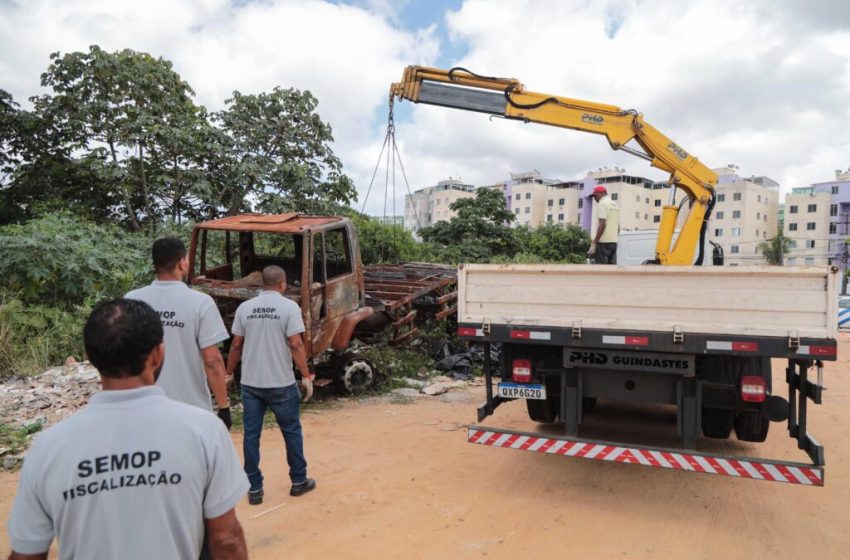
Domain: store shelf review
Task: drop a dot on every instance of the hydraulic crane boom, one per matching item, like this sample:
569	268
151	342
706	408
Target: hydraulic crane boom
460	89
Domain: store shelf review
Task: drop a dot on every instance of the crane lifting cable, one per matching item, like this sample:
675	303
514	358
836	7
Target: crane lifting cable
392	156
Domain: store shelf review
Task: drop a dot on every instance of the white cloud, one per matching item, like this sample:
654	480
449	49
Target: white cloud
731	80
760	83
345	55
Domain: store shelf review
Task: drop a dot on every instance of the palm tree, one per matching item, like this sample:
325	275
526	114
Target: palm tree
775	249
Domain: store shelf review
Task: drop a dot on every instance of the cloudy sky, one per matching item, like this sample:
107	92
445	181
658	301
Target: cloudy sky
763	84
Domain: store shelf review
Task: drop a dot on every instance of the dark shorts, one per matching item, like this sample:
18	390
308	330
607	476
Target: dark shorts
606	253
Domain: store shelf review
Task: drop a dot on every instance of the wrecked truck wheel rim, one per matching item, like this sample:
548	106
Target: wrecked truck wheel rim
357	375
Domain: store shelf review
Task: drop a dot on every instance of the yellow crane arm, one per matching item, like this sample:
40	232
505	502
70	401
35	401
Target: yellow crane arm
460	89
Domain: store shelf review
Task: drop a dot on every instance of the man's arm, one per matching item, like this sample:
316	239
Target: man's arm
19	556
225	537
299	356
214	368
235	354
600	229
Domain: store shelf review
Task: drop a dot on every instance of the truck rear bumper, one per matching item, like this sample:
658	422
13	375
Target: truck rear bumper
666	458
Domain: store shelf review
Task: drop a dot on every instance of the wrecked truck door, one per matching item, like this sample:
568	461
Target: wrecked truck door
334	291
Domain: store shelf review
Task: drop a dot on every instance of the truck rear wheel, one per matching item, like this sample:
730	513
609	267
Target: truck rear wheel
544	412
354	374
717	422
751	425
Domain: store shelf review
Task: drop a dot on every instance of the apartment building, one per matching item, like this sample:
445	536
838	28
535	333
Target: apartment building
525	196
807	224
829	222
640	199
564	203
429	205
746	213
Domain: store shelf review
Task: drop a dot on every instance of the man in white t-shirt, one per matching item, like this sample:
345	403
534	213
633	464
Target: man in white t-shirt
267	331
133	474
603	249
193	330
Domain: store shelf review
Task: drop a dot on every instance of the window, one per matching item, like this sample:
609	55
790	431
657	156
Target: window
647	200
833	209
792	209
810	261
735	249
550	202
721	197
637	215
528	209
759	198
736	196
810	226
561	202
658	203
516	211
646	216
581	201
549	218
835	190
812	208
736	214
337	257
560	217
614	196
637	198
718	232
527	195
656	219
518	196
792	260
765	217
757	233
792	226
810	243
720	215
736	232
833	228
758	215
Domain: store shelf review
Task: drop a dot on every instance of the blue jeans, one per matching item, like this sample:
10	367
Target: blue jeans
285	403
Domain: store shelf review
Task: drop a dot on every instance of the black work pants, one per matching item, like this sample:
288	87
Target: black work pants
606	253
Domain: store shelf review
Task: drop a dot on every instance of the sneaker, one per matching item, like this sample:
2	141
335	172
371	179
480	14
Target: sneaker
302	487
255	497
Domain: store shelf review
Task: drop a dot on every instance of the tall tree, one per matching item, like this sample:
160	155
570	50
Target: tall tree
113	107
277	152
479	230
774	250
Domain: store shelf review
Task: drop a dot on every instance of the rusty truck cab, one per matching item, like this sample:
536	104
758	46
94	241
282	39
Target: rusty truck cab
319	254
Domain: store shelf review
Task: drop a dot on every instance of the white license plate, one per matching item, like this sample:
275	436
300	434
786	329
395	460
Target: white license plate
521	391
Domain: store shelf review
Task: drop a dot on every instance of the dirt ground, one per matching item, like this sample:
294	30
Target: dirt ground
400	481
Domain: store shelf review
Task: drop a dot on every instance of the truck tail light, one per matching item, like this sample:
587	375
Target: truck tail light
753	389
522	370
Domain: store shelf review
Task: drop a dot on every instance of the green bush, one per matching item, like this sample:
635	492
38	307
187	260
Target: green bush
34	338
61	261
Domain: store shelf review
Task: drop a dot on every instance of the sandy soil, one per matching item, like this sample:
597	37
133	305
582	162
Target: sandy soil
399	481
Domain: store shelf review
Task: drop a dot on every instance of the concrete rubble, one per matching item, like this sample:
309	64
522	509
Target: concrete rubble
30	404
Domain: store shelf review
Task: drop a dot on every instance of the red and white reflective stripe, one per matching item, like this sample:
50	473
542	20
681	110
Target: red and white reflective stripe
531	335
758	469
469	331
818	350
628	340
732	346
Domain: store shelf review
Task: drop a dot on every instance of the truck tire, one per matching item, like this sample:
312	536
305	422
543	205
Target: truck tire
751	425
543	412
717	422
354	374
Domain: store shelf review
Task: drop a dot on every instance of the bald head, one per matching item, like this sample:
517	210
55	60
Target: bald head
273	277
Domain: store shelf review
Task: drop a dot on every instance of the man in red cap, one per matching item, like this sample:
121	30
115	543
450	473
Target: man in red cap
603	249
